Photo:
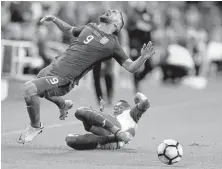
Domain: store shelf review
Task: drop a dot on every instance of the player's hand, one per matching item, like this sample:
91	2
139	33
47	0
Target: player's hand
102	104
139	97
147	50
124	136
48	18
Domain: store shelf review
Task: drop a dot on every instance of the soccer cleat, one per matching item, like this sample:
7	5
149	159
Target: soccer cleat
64	111
29	134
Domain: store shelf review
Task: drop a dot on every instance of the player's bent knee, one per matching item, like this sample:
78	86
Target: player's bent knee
71	141
80	112
30	89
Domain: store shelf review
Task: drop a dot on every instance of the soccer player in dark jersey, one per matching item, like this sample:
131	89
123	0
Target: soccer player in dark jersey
93	44
104	127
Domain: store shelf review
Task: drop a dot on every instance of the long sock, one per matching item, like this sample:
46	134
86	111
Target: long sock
97	84
33	108
136	84
59	101
109	87
88	141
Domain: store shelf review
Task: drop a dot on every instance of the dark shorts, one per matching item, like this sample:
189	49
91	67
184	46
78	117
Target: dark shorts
174	71
49	84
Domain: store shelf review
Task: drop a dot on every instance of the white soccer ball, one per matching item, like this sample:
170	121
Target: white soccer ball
170	152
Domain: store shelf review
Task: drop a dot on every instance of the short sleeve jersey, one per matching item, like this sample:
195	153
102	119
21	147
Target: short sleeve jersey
90	47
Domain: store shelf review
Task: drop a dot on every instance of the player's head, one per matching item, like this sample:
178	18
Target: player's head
114	18
121	106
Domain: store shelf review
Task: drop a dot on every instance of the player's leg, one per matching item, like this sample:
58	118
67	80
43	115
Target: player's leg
99	131
148	67
32	99
90	141
96	118
109	80
139	76
97	84
83	114
63	105
59	101
45	86
136	83
33	107
99	119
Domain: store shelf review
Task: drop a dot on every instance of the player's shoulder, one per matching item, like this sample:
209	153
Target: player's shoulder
116	42
92	26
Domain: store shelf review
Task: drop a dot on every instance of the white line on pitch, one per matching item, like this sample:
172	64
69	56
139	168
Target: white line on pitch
46	127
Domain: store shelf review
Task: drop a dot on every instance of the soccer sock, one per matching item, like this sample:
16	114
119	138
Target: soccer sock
33	108
59	101
88	141
97	84
109	87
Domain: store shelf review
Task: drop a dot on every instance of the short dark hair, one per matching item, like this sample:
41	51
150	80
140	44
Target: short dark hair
124	103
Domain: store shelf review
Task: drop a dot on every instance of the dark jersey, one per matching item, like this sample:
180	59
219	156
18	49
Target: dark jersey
90	47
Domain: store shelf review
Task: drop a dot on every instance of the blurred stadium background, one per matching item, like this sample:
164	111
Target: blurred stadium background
189	112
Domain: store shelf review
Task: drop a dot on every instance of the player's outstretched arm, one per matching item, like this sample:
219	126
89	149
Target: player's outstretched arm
63	26
146	52
142	104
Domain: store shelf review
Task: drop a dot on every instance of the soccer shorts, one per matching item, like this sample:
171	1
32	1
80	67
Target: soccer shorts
49	84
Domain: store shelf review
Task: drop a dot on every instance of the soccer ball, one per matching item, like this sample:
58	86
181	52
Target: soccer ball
170	152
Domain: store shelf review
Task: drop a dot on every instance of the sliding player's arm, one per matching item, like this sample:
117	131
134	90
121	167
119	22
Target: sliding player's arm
63	26
142	104
132	66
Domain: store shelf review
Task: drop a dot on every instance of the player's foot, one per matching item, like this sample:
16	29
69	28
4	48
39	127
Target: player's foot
29	134
123	136
64	111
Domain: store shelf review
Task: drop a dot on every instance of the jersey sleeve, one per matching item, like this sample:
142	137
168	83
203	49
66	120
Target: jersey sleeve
136	113
119	55
77	30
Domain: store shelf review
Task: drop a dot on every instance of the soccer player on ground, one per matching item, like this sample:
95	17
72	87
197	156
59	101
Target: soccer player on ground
93	44
105	128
